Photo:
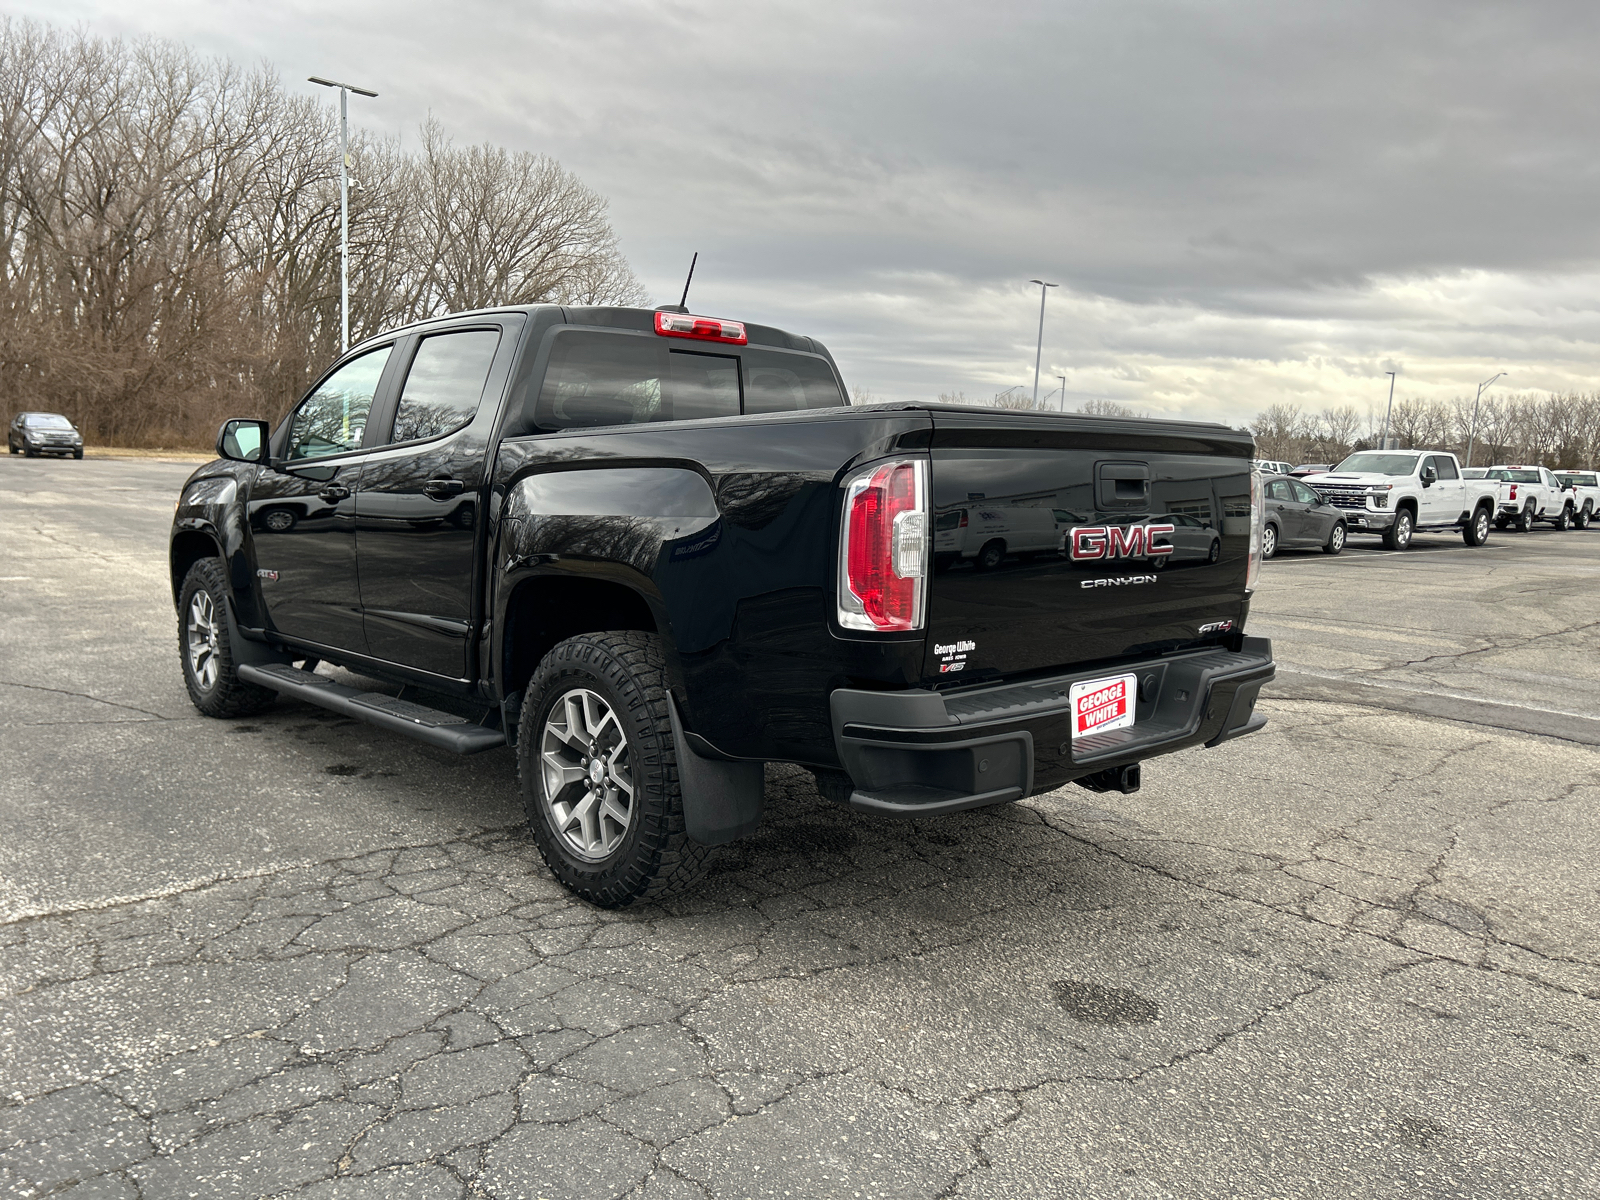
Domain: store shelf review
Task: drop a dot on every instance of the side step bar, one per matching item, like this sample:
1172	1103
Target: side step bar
431	725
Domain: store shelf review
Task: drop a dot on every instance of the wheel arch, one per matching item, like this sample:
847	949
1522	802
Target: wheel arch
188	547
544	608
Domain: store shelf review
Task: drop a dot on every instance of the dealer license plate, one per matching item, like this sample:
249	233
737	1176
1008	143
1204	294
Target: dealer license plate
1101	705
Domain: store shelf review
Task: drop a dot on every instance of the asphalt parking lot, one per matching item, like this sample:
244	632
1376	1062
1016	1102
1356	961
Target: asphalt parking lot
1357	955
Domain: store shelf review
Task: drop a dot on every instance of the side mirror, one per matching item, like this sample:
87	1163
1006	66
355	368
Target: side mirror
1429	476
243	441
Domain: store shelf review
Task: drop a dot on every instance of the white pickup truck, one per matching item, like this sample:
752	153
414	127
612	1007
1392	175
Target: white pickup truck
1529	494
1394	493
1584	488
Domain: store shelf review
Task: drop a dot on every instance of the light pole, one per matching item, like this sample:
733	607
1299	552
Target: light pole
1044	290
1383	442
1063	379
1472	436
344	199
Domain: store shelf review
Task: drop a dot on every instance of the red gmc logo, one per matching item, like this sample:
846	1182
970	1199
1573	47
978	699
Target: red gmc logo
1116	541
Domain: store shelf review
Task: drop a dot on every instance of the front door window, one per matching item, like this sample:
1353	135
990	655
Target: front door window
333	419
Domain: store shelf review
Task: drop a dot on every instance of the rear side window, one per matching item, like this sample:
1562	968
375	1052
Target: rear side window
445	384
1445	466
624	379
1278	489
779	382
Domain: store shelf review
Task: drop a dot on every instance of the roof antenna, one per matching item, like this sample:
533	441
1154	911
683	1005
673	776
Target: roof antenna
682	306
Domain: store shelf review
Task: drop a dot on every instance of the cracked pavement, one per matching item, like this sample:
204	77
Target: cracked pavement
1357	954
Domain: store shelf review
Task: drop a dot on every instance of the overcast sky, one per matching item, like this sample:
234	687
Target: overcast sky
1243	203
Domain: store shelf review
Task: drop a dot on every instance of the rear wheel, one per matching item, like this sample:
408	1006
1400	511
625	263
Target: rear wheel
1336	539
1269	541
1583	518
598	771
1525	519
991	556
1564	521
1476	531
1398	535
205	644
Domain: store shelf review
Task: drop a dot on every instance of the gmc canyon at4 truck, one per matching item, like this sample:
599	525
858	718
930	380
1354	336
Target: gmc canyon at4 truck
654	551
1394	493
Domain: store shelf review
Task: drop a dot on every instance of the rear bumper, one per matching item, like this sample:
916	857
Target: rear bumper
921	753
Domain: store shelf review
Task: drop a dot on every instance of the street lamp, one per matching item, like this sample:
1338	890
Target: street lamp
344	198
1472	436
1063	379
1383	442
1044	290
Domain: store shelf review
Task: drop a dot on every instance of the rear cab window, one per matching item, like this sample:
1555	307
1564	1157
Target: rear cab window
622	378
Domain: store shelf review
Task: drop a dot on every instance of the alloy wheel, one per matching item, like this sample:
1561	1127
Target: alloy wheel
201	632
1338	538
587	774
1269	542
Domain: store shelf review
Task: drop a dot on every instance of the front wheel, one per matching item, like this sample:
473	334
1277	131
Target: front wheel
1215	552
1476	531
598	771
205	644
991	556
77	454
1336	539
1269	541
1398	535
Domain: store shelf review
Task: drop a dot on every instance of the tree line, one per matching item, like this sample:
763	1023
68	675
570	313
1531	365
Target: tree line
1557	430
169	235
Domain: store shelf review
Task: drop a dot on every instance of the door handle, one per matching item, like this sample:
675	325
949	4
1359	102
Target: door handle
333	493
442	489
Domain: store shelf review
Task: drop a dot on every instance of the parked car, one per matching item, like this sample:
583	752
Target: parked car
654	551
1305	469
985	534
36	433
1584	488
1528	494
1270	466
1394	493
1295	516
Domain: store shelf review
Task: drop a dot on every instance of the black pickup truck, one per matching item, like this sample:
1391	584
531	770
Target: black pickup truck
653	551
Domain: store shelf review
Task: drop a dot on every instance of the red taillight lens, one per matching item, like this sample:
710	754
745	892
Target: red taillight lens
884	562
963	518
705	329
1513	495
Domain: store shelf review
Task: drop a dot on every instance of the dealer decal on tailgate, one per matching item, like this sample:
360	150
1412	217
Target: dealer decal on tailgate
1100	705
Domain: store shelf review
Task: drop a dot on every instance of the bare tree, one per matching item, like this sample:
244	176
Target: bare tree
169	234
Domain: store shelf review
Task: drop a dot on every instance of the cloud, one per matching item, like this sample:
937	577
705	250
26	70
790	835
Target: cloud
1244	202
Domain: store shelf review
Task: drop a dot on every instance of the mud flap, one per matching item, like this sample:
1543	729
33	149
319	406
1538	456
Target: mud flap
722	800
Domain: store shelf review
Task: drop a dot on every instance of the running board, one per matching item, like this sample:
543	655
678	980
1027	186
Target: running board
431	725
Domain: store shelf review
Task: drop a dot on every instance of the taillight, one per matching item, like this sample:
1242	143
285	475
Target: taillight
1513	495
963	518
705	329
1253	571
883	561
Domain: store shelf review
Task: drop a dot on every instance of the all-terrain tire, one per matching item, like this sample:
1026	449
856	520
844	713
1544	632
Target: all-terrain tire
205	647
654	857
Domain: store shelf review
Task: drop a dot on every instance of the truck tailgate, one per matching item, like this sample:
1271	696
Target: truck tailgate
1061	541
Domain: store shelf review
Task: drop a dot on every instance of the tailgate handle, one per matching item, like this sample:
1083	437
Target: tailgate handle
1122	485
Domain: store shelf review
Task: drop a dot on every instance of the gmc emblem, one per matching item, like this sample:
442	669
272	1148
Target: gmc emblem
1116	541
